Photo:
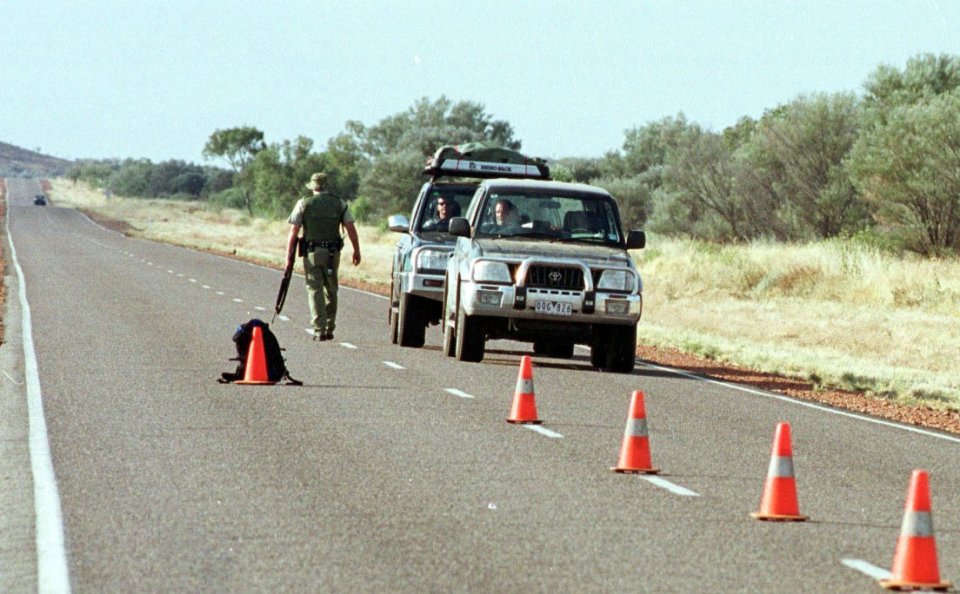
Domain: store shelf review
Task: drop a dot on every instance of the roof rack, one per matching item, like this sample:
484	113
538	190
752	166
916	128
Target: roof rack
482	160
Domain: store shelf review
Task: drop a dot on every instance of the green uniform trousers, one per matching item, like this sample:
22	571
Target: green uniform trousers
320	268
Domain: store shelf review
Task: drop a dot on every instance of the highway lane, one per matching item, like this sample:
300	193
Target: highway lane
373	476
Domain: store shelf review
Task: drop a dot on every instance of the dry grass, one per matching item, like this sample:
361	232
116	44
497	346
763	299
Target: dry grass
198	225
835	313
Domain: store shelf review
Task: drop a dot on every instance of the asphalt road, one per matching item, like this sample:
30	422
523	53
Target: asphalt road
392	469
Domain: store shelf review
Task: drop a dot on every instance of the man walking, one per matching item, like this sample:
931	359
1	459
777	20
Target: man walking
321	216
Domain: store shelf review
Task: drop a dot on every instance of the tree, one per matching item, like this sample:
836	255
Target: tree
795	157
393	151
910	166
699	194
924	76
238	146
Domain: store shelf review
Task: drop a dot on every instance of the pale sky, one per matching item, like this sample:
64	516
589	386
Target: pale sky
128	78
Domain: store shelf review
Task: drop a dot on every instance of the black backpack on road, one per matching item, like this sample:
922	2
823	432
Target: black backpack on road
276	366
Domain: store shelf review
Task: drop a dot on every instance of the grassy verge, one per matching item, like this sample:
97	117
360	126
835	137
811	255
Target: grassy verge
835	313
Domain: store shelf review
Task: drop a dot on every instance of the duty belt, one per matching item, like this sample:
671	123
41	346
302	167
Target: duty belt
332	245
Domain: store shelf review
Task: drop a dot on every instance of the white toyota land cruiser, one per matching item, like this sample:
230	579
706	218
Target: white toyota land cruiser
543	262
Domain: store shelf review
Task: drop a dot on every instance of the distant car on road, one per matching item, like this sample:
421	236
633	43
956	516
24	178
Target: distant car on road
40	200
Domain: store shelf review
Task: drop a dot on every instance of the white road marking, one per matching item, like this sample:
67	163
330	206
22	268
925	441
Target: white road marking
877	573
170	271
52	572
543	431
193	280
237	300
220	293
393	365
258	308
179	275
284	318
11	379
459	393
347	345
206	286
665	484
805	403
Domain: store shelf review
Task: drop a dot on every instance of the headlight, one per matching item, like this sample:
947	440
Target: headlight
432	259
617	280
486	271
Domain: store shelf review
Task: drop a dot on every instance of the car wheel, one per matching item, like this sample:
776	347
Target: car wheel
470	338
392	317
598	355
411	328
622	349
449	330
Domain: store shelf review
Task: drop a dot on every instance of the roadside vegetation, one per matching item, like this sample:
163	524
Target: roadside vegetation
821	239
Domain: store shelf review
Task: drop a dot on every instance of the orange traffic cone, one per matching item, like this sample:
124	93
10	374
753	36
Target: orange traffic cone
255	372
524	408
915	560
635	451
779	501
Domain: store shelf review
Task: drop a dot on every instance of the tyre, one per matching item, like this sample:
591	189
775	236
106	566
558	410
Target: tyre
598	355
394	323
449	330
411	327
622	349
470	338
392	315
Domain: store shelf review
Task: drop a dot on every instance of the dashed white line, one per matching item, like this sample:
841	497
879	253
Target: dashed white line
284	318
544	431
237	300
877	573
665	484
393	365
220	293
347	345
193	280
206	286
258	308
460	394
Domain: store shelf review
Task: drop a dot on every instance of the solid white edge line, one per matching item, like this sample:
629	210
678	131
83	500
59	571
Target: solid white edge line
393	365
544	431
52	572
665	484
805	403
877	573
459	393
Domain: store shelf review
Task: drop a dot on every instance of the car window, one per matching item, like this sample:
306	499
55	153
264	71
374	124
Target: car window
562	216
441	205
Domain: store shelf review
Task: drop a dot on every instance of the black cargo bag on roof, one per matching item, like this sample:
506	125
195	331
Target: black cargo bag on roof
276	366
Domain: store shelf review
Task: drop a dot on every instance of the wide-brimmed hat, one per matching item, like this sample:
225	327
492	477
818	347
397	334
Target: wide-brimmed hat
318	181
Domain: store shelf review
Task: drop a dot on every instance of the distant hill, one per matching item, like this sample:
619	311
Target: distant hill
18	162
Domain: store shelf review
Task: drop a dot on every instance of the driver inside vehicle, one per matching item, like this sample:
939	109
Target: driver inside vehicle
506	215
446	209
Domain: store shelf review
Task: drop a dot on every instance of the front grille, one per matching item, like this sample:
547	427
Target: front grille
555	277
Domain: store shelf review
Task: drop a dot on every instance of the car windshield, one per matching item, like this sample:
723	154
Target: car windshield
443	204
551	215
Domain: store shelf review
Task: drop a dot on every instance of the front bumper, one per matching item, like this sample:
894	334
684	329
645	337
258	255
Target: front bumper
522	302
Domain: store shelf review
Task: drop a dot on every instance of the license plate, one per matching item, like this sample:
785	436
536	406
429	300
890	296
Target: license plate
553	308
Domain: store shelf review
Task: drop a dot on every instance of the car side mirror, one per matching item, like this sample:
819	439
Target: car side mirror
459	227
636	240
398	223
